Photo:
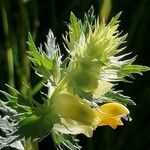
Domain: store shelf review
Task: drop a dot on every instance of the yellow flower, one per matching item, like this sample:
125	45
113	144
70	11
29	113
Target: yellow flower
69	106
76	115
111	114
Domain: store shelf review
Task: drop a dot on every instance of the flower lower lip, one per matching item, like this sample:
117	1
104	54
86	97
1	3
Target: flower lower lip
126	117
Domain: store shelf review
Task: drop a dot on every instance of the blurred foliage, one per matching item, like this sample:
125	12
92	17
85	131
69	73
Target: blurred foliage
18	17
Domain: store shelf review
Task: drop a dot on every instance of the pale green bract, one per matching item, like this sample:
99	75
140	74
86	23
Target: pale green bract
82	82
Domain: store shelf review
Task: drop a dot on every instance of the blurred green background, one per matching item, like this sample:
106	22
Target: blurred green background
18	17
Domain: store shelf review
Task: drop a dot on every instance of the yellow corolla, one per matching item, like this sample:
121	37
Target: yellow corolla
111	114
76	115
70	106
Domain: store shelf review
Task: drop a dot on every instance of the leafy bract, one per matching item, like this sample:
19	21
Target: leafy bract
77	28
128	70
69	141
118	97
7	127
28	114
41	121
74	31
17	102
42	63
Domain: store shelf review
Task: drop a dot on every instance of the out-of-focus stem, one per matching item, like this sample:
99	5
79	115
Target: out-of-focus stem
37	87
105	10
24	61
36	20
10	67
31	145
9	53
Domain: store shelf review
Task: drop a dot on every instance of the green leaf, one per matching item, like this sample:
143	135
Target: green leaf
75	27
41	121
65	141
115	20
7	127
74	31
10	142
116	96
129	69
89	16
88	22
17	102
42	63
11	98
65	63
17	145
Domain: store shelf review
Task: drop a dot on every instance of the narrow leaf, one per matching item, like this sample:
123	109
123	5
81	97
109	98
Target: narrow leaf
43	65
116	96
129	69
74	31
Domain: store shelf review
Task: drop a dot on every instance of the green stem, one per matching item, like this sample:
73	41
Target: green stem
9	53
24	61
36	20
59	88
37	87
10	67
30	145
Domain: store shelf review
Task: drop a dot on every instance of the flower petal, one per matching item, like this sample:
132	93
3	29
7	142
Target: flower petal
110	114
113	122
73	127
114	109
72	107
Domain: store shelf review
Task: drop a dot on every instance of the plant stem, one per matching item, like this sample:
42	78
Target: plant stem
57	90
24	61
37	87
9	53
36	20
30	145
